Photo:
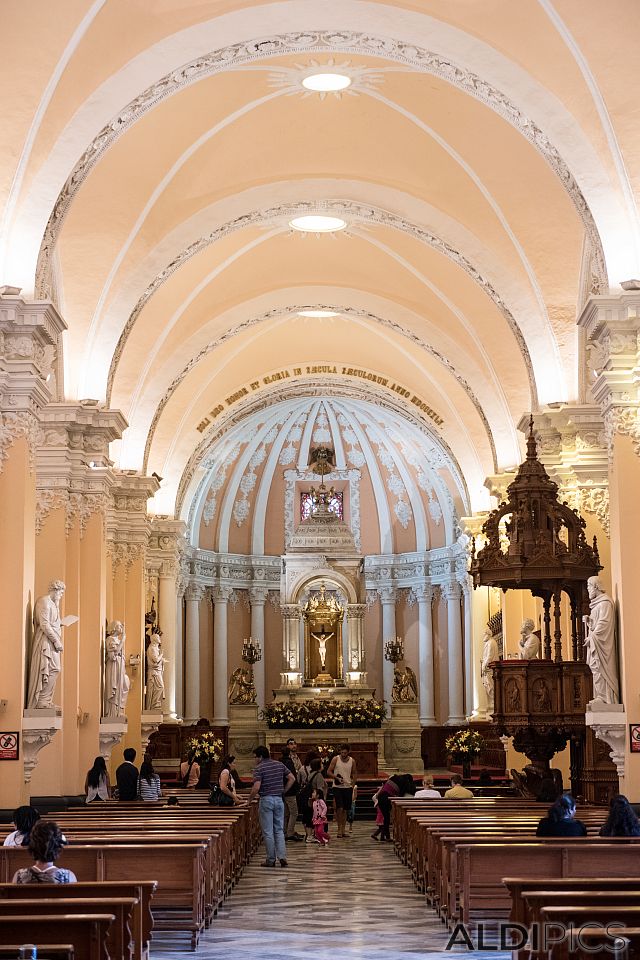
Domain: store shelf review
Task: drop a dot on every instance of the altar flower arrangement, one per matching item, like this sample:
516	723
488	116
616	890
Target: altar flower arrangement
464	745
208	748
325	713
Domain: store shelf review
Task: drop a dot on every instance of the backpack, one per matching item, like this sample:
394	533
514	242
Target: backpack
304	797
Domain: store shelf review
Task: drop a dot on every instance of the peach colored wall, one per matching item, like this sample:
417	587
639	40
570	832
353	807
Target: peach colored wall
239	627
372	643
273	648
440	660
206	658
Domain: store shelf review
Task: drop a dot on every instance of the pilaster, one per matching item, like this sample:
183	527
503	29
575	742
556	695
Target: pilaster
166	546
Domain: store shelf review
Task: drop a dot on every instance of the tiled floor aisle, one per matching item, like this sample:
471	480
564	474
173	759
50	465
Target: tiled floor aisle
353	900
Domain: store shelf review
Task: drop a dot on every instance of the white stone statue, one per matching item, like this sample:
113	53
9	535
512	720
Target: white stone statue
490	654
600	643
155	674
44	664
529	641
116	681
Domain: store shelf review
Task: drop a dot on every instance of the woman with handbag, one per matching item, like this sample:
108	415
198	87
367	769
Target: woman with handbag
224	795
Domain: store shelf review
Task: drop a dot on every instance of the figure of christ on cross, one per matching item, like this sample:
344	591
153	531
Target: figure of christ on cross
322	638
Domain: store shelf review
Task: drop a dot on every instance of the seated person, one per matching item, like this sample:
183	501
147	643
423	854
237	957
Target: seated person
149	787
127	776
428	791
45	845
24	819
190	771
560	821
456	791
622	820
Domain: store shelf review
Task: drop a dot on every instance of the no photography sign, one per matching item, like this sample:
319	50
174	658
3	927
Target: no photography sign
9	746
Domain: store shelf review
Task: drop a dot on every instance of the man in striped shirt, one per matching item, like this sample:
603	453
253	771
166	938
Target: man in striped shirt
270	780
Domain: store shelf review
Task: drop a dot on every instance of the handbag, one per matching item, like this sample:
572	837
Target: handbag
219	799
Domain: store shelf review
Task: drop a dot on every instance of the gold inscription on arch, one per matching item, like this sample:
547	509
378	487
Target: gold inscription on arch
314	370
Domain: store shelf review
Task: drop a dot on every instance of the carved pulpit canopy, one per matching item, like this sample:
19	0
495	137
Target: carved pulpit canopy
534	542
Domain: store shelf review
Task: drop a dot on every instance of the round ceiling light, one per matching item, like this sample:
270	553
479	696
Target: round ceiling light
318	314
326	82
314	223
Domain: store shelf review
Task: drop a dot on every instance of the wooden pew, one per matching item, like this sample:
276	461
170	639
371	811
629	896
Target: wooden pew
580	915
141	891
46	951
89	933
179	869
519	888
120	937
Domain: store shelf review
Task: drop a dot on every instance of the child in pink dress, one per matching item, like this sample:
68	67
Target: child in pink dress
319	818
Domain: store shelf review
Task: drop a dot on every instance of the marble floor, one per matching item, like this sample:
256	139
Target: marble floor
352	900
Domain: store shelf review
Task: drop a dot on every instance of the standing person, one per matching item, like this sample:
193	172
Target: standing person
24	819
227	781
291	797
351	815
190	771
149	787
319	819
343	771
384	795
45	845
621	822
292	747
270	780
127	776
456	791
96	784
314	781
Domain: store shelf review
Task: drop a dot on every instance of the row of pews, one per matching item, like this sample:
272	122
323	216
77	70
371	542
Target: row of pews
479	861
140	867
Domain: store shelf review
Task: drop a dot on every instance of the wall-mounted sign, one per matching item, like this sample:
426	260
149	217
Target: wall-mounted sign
9	746
634	737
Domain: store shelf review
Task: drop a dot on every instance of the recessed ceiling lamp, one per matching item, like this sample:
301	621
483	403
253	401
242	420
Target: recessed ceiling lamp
326	82
319	314
314	223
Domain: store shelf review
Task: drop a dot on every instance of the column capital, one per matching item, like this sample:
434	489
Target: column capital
356	610
388	594
258	595
220	594
195	591
451	590
291	611
424	592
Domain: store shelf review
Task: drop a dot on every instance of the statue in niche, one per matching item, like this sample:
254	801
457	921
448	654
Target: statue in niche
405	686
490	654
44	667
155	673
529	641
241	686
600	643
116	681
322	638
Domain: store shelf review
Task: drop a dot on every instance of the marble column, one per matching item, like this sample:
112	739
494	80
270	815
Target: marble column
167	613
258	597
291	639
388	600
469	665
355	629
220	656
424	596
451	593
194	593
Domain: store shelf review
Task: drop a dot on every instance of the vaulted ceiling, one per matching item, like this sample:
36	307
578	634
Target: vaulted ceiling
485	158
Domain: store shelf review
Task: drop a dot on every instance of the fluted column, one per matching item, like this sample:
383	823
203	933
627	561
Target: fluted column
220	656
388	600
193	595
168	605
291	638
355	630
451	593
258	597
424	596
469	664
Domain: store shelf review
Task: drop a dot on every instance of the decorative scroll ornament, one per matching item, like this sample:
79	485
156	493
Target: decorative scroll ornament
12	427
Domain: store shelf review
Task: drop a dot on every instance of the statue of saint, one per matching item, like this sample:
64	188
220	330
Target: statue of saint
44	664
529	641
241	686
116	681
600	643
155	673
490	654
322	638
405	686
